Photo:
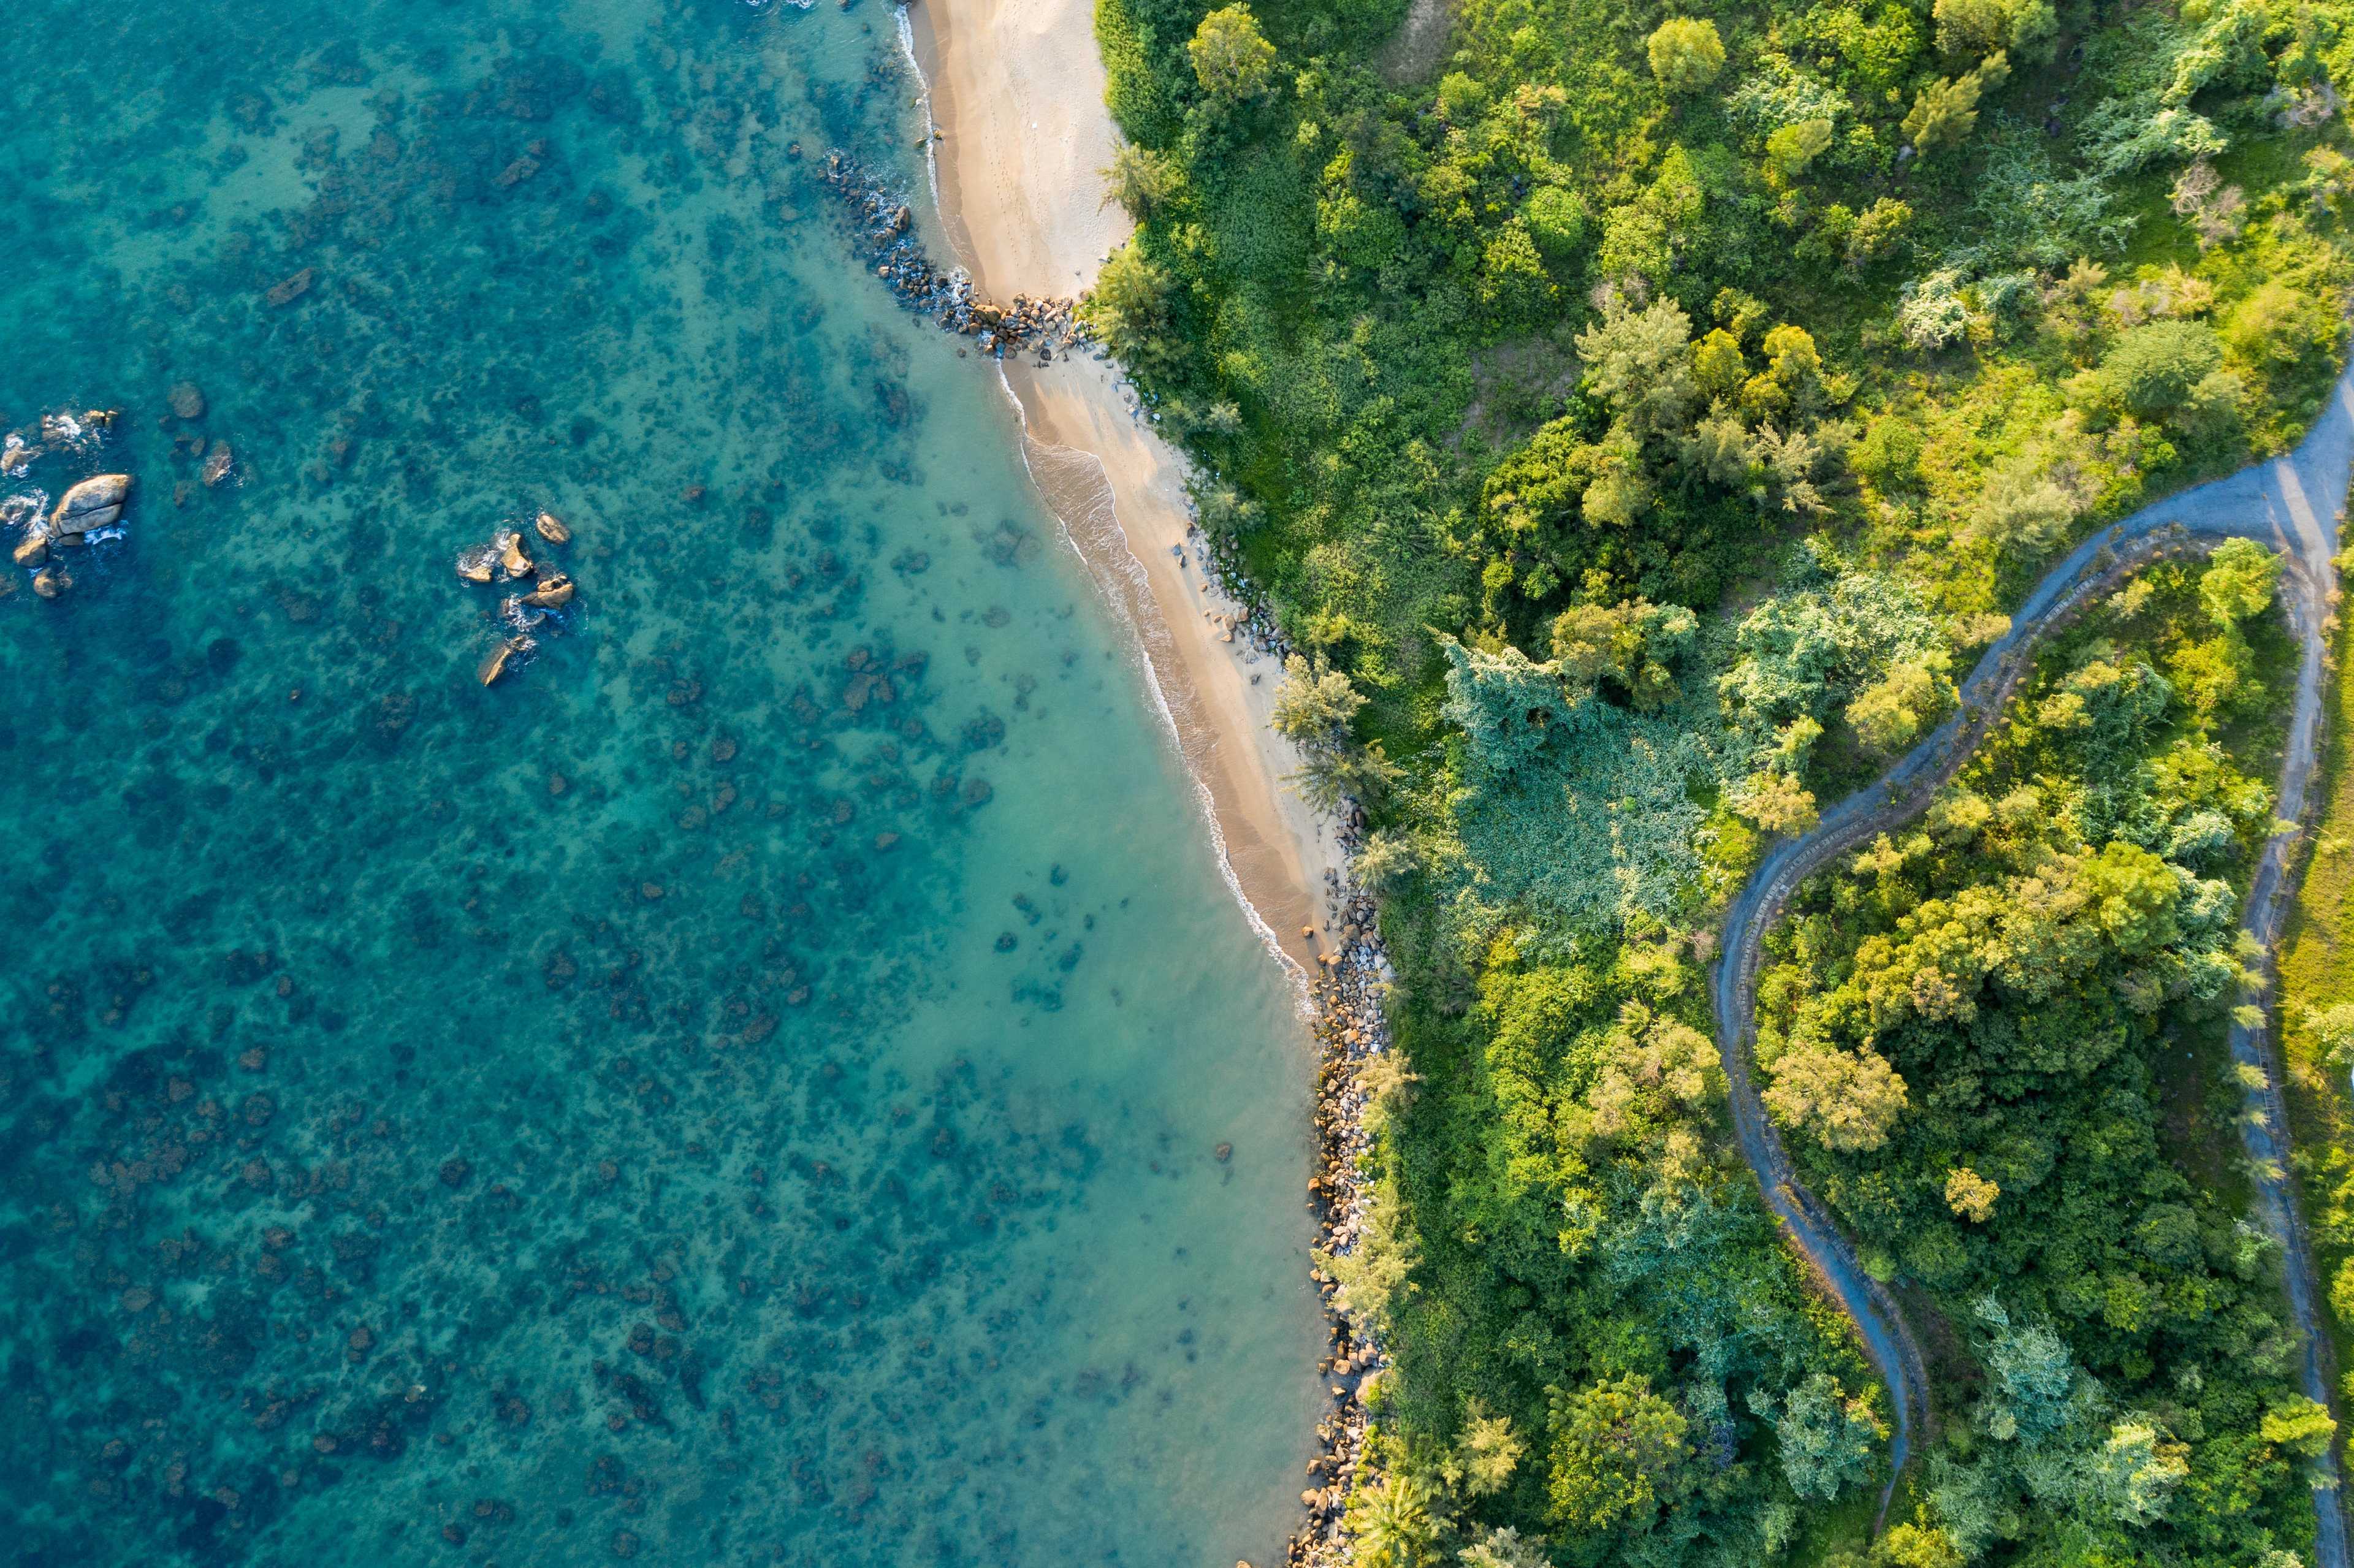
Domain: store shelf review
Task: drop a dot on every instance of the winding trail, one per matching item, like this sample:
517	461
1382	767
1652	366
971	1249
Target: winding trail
2291	504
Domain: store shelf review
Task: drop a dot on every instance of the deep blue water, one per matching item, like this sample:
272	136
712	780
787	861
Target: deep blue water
745	1088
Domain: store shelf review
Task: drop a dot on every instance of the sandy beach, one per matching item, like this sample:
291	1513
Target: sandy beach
1017	102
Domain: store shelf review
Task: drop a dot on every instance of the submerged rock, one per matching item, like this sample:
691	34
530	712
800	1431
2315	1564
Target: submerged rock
19	510
188	401
219	464
51	582
292	288
503	657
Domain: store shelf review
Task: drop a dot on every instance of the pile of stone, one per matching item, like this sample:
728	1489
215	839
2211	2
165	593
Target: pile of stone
882	231
505	558
1350	983
88	512
58	434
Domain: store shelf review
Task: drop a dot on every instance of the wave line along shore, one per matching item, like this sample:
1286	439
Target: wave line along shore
1022	136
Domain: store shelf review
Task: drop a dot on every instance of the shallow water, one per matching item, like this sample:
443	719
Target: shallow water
745	1088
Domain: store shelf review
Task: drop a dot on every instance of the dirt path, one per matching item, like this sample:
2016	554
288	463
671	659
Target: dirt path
2290	503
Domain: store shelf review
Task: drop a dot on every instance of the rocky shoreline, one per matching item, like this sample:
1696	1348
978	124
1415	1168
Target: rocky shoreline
1351	979
1346	992
882	231
1349	1029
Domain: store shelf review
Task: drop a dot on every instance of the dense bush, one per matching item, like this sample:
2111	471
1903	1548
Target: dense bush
1650	416
2017	970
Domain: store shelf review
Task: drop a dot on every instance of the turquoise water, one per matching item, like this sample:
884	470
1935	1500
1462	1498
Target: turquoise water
749	1086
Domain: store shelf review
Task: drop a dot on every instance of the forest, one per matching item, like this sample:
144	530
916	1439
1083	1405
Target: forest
1640	418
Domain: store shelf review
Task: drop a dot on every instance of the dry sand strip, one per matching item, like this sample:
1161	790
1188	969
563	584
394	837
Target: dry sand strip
1017	102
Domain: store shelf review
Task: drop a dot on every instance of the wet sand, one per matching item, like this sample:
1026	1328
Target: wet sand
1017	102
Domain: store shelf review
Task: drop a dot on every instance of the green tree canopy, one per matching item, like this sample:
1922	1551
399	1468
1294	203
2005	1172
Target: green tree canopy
1619	1451
1686	53
2239	581
2152	369
1315	704
1828	1440
1232	58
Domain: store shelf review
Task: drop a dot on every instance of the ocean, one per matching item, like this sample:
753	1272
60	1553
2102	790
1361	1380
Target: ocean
778	1077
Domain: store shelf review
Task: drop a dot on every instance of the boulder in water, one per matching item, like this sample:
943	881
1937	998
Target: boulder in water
511	555
51	582
219	464
503	657
478	565
32	549
553	593
96	503
552	529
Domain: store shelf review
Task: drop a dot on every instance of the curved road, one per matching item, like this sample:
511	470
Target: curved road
2290	503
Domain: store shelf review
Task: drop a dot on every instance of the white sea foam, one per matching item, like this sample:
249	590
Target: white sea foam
1136	643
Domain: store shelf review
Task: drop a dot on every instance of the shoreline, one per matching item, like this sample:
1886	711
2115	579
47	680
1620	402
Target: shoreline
1020	132
993	74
